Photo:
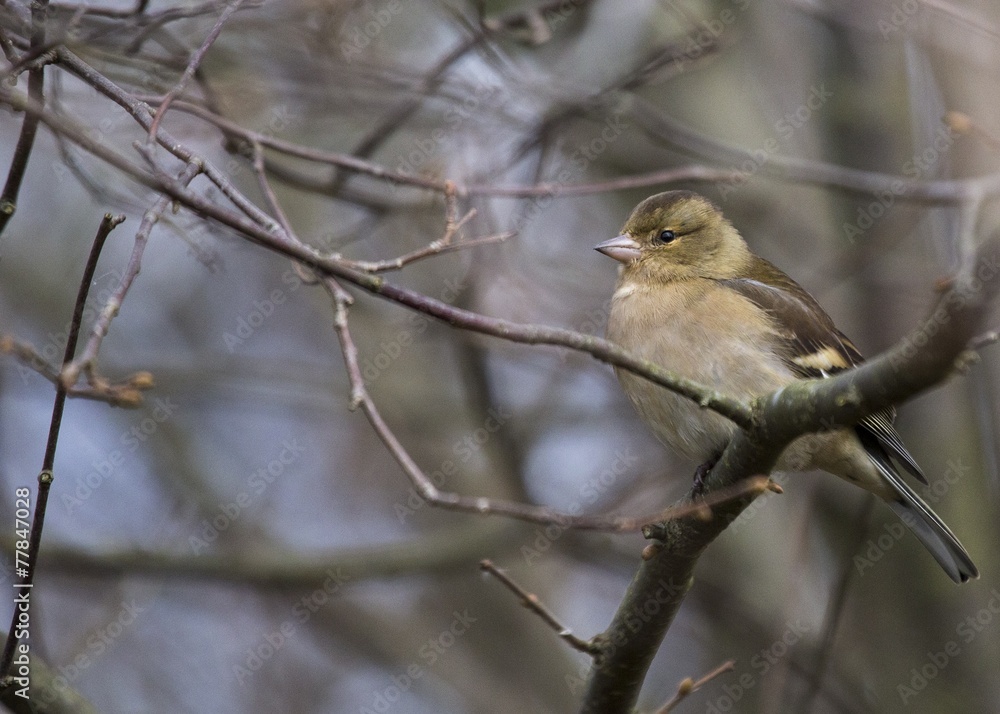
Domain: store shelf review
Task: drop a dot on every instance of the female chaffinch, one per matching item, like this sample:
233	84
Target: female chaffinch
694	299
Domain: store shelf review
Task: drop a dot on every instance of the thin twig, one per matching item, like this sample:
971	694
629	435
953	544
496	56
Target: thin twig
560	190
140	112
126	393
265	187
29	128
531	602
689	686
88	356
26	575
196	60
432	78
428	251
445	244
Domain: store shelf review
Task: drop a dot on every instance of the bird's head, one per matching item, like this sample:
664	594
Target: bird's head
677	235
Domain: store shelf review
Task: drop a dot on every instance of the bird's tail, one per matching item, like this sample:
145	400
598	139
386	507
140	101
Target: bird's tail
929	528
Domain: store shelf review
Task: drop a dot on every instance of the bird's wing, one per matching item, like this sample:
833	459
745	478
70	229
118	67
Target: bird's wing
814	348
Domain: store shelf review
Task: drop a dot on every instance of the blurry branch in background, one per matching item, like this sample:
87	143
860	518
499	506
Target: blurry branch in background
835	610
532	18
244	137
963	124
444	551
665	129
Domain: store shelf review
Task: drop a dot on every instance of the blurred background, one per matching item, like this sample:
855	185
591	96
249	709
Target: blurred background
243	541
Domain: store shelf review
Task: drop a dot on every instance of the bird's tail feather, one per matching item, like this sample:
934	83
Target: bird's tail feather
929	528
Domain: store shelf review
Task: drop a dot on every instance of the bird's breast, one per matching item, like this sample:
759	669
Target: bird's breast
703	332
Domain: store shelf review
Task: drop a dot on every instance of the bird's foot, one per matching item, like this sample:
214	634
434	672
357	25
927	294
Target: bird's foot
698	488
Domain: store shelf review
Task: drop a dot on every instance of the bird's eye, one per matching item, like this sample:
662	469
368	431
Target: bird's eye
665	236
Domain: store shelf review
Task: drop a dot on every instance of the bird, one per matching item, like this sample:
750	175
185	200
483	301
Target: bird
693	298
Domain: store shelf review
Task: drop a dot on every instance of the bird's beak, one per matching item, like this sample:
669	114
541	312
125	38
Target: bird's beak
622	248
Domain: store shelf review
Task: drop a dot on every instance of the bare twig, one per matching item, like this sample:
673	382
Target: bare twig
430	250
196	60
445	244
29	128
86	362
531	602
126	393
265	187
689	686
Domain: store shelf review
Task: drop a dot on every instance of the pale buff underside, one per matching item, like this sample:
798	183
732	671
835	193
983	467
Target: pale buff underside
703	334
